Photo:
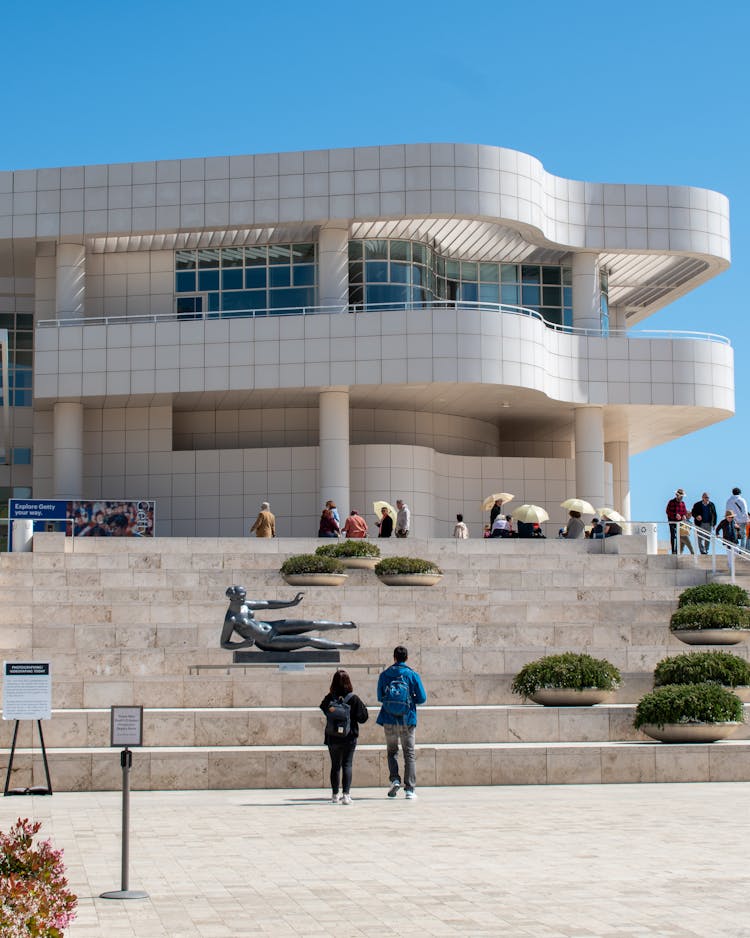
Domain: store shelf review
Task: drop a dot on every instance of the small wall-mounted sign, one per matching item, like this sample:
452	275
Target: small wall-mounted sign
127	726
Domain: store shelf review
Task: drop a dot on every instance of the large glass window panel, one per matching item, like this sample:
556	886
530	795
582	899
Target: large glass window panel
185	281
255	277
355	250
400	273
553	316
25	340
7	321
279	253
255	256
551	275
551	296
469	292
419	253
356	273
304	275
509	294
400	250
385	294
356	296
231	279
420	295
452	270
184	260
530	274
24	357
279	276
489	273
568	296
489	292
530	295
208	258
213	302
256	299
24	321
440	266
303	253
232	257
376	272
509	273
238	300
376	250
293	298
469	270
419	275
208	280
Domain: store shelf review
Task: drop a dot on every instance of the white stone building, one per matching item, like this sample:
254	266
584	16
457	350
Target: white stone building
432	322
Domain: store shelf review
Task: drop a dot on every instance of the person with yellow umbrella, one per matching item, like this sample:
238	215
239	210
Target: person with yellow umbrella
494	504
386	515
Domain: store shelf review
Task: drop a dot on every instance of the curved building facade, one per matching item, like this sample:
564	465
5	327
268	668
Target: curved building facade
431	322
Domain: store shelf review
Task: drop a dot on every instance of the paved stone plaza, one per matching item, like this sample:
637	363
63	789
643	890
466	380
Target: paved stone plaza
615	861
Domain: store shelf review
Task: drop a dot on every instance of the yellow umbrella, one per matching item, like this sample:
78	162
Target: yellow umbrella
611	515
578	504
377	506
499	497
530	514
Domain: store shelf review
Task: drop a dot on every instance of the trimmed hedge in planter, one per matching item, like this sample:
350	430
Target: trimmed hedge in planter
353	547
390	566
722	593
688	703
710	616
311	563
569	670
698	667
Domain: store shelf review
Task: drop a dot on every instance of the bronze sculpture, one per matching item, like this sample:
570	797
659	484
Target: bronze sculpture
281	635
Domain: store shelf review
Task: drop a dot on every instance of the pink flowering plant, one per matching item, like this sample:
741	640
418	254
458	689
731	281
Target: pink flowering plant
35	901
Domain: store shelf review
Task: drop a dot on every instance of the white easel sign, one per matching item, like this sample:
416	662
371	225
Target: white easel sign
27	690
127	726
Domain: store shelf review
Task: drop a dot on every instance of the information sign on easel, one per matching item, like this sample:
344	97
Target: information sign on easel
27	695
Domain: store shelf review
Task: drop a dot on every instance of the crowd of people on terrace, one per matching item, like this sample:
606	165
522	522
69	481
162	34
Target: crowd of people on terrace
733	529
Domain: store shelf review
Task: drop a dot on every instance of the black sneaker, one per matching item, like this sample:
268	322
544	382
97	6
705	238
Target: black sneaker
393	790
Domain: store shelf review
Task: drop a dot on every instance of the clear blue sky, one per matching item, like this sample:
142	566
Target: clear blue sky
637	92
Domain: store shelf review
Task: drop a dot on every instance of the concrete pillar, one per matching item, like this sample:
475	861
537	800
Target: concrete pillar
333	437
618	454
67	438
586	292
589	449
70	280
333	265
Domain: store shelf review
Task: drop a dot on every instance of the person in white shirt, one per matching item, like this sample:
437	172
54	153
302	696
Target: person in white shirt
737	504
500	527
460	530
403	519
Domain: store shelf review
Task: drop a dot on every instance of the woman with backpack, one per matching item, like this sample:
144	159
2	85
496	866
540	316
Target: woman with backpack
344	712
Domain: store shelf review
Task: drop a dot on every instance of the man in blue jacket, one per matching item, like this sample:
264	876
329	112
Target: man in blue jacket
400	690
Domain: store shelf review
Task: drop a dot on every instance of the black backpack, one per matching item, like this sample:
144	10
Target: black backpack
339	717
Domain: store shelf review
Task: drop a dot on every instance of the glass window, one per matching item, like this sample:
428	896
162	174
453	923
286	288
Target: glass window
239	300
553	316
185	281
489	273
214	301
552	275
303	253
452	270
419	253
255	256
256	299
24	321
356	296
208	280
279	254
401	273
489	292
231	279
304	275
376	250
279	276
24	357
469	292
530	274
567	276
509	273
568	296
22	456
376	272
208	258
529	296
184	260
469	270
419	275
292	298
187	306
356	273
232	257
255	277
551	296
386	294
400	250
355	250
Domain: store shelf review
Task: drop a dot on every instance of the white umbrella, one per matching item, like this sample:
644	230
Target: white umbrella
377	506
578	504
498	497
611	515
530	514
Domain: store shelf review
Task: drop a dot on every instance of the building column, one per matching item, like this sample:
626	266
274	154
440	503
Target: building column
70	280
67	440
333	436
333	265
618	454
589	454
586	292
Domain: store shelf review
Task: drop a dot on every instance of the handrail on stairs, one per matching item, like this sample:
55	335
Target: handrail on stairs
733	551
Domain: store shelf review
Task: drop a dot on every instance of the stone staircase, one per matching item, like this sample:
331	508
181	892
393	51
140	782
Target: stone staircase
138	622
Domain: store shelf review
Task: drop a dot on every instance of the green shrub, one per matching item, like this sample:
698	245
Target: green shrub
688	703
725	593
698	667
312	563
391	565
352	547
569	670
710	616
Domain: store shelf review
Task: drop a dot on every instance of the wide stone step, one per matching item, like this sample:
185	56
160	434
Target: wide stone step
439	764
303	726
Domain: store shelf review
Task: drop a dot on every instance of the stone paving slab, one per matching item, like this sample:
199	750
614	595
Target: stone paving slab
621	861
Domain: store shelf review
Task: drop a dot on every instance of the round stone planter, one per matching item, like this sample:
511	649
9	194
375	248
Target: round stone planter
690	732
711	636
315	579
569	697
359	563
410	579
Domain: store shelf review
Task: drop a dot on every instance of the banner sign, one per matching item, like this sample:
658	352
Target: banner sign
100	518
27	690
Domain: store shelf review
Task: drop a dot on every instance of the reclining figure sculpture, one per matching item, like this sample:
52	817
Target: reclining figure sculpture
281	635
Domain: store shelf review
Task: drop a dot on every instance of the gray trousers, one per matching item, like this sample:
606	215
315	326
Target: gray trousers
404	734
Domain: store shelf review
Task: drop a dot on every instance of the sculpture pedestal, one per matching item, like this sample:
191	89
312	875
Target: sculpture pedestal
304	656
